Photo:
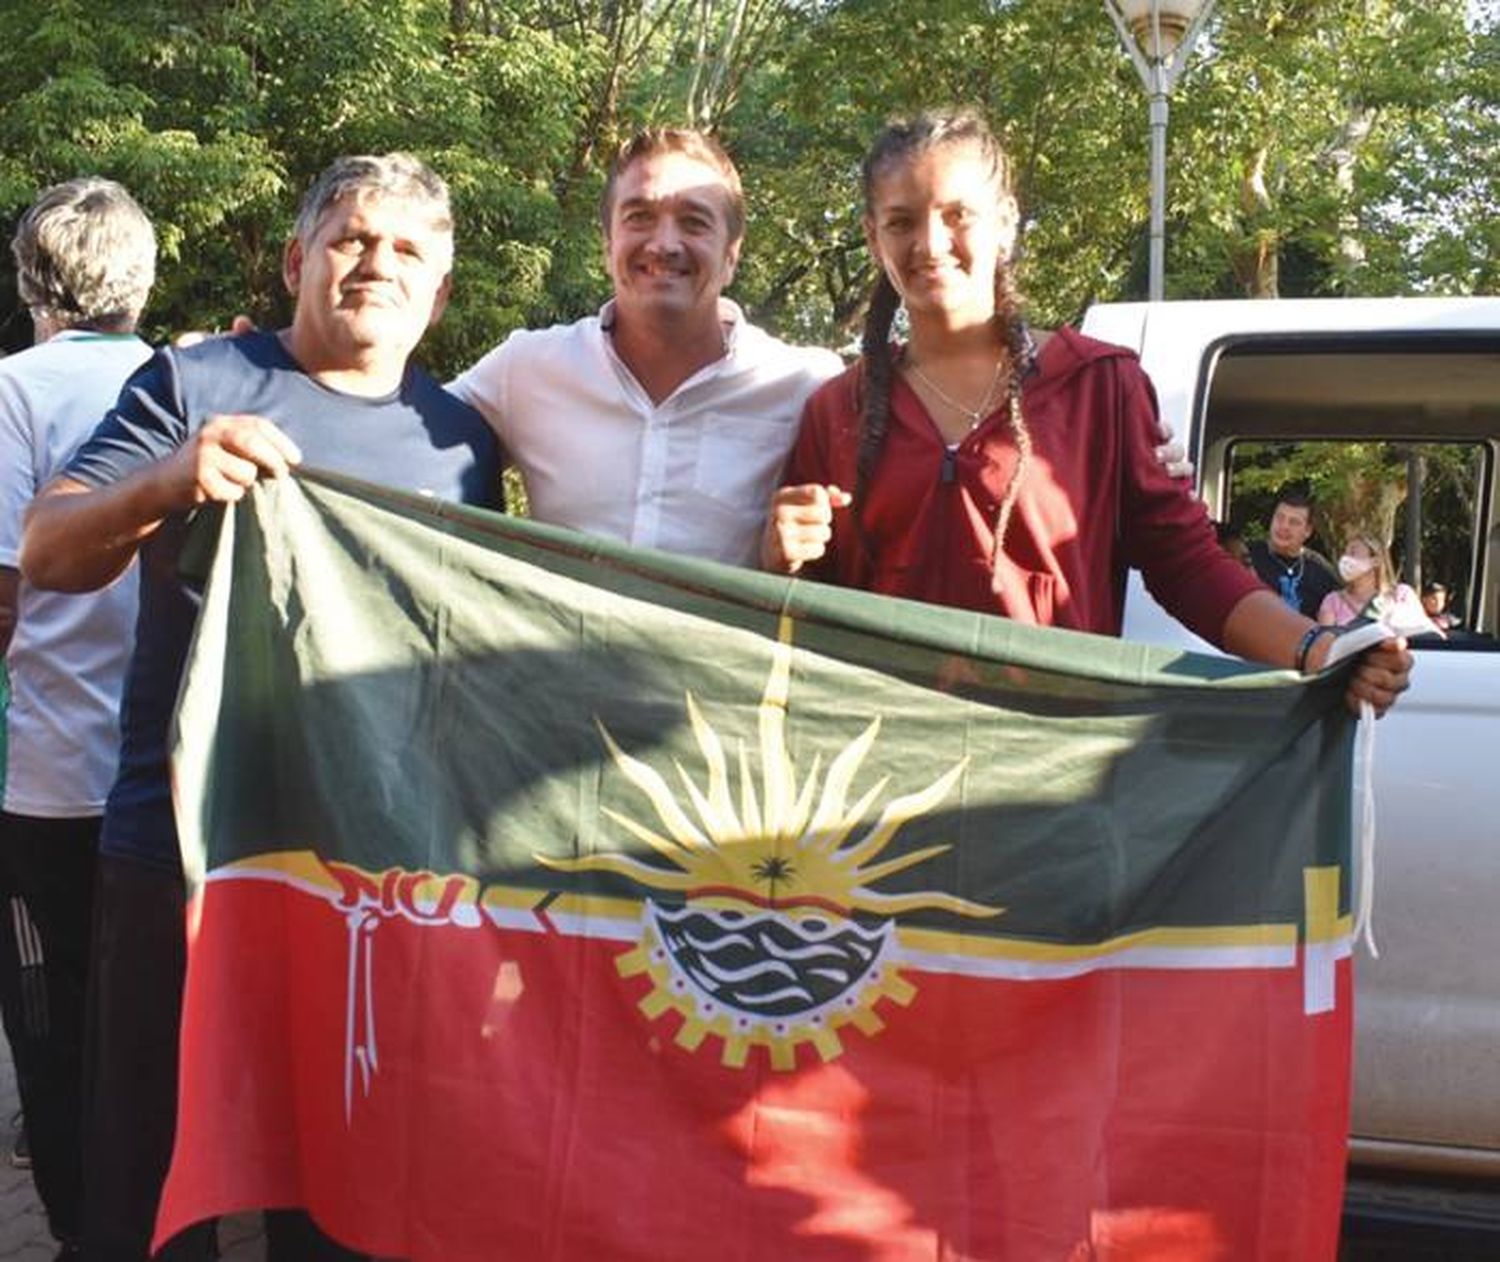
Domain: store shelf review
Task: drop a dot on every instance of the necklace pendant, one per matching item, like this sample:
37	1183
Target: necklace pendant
973	415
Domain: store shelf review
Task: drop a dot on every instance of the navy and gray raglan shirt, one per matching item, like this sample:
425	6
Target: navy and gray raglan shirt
419	439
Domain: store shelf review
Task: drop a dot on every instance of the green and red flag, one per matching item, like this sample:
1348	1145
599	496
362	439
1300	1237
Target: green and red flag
559	901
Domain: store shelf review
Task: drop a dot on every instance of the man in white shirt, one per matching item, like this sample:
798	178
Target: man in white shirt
664	420
85	258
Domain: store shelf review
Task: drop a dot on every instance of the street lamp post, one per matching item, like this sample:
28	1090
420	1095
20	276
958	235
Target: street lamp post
1159	36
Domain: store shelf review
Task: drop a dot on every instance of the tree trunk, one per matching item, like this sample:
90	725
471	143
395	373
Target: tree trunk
1416	472
720	93
1349	255
601	119
696	110
1257	262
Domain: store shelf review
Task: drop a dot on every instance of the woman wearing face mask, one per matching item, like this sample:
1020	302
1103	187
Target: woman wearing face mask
1371	592
988	467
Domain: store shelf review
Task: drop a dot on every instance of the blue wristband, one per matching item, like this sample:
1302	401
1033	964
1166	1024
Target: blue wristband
1304	645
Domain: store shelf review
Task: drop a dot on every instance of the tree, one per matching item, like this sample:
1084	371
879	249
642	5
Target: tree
217	116
1340	119
1318	146
1380	488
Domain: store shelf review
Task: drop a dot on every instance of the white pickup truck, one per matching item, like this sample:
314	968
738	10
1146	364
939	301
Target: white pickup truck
1233	377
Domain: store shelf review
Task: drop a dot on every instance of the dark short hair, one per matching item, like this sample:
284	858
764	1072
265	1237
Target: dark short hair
398	175
85	255
1296	496
691	143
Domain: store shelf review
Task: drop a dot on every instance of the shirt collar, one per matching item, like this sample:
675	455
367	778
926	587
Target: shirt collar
731	318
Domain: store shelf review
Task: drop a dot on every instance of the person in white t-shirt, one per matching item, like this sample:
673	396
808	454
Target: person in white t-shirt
85	258
664	420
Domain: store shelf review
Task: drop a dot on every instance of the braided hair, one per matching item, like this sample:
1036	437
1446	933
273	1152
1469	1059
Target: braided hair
903	141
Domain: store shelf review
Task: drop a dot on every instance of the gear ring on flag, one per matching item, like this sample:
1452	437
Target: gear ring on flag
767	979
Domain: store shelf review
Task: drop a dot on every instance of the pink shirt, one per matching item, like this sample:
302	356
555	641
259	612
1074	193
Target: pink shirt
1401	609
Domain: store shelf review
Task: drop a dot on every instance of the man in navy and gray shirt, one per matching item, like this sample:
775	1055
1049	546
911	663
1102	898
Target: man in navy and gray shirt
369	266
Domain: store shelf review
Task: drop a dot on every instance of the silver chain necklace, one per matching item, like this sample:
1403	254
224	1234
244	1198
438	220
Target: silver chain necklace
974	415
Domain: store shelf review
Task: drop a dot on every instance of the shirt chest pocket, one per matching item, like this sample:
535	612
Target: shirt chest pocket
738	462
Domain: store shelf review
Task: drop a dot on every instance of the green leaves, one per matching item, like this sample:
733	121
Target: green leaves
1343	146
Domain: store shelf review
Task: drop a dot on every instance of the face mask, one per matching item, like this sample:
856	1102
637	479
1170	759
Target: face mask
1350	567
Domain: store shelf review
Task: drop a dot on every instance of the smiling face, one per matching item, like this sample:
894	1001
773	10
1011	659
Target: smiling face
939	224
369	280
669	246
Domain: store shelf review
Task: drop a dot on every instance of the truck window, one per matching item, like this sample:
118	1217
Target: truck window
1420	499
1395	439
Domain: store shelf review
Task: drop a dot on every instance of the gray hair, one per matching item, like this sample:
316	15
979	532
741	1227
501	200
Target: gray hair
85	255
398	175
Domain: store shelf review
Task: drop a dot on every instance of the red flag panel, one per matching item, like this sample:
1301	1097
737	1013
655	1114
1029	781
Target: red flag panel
442	1091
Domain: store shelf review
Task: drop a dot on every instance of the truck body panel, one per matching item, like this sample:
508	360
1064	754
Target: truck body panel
1427	1011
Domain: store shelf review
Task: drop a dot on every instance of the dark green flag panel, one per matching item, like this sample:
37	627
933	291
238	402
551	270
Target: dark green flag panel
402	683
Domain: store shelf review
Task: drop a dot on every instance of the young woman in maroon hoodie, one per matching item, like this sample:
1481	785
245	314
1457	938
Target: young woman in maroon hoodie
983	466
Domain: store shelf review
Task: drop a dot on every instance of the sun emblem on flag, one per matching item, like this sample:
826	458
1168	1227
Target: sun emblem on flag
767	927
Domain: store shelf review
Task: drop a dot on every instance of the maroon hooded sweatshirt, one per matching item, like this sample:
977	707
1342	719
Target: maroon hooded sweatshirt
1094	502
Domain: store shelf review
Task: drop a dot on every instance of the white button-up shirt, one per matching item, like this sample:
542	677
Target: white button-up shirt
692	474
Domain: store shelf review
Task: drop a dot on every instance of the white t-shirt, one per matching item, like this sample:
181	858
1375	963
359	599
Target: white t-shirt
68	655
692	474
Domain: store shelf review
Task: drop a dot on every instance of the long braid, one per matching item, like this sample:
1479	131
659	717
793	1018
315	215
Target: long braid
879	368
1012	327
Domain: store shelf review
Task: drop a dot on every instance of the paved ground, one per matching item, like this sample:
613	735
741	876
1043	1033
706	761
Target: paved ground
23	1231
23	1228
